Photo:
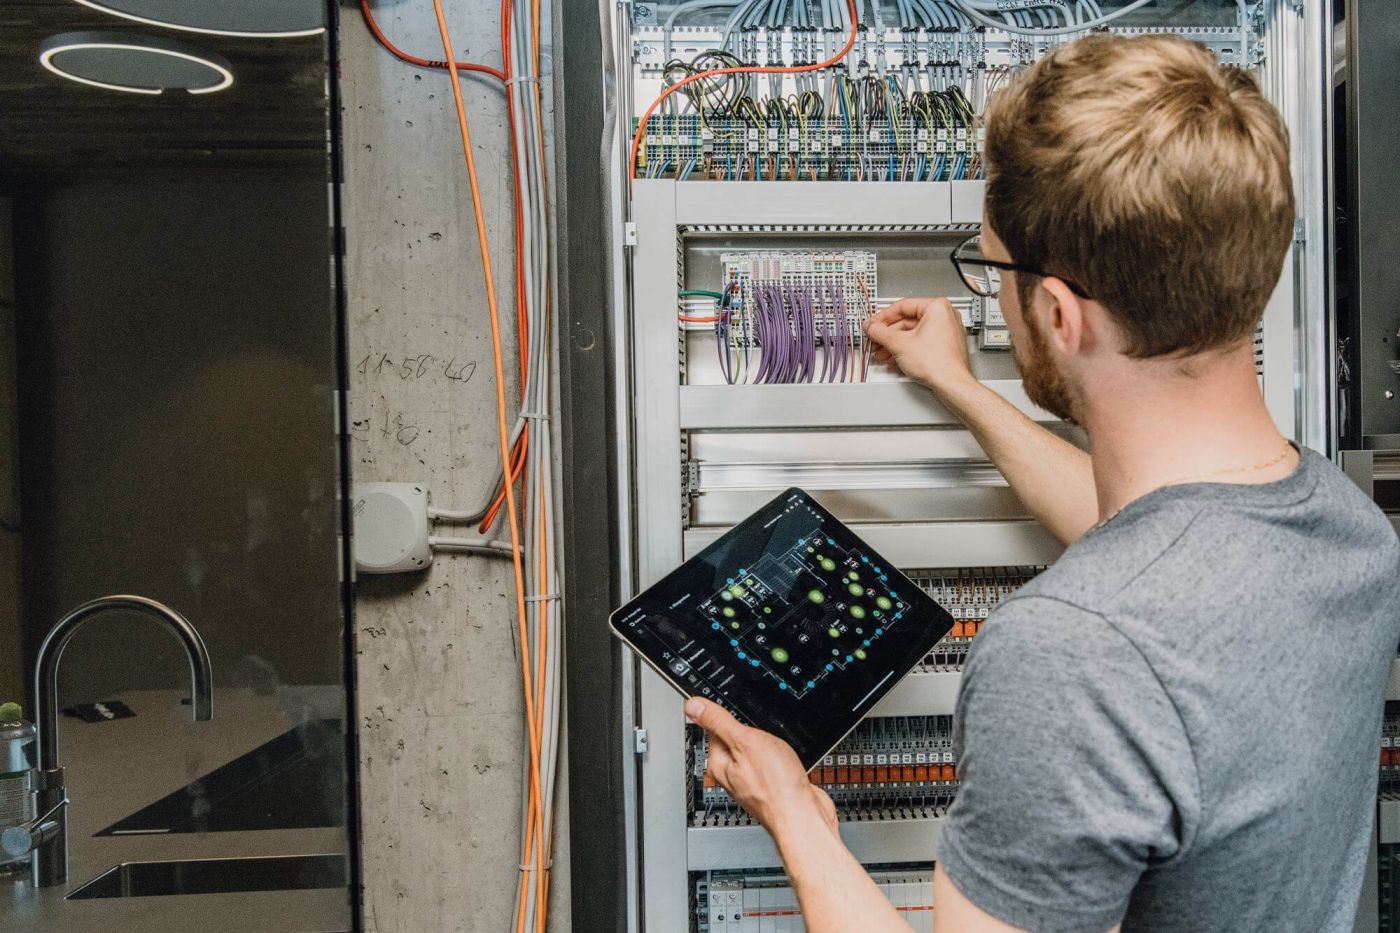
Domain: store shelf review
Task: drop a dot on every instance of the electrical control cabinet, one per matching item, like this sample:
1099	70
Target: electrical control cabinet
766	218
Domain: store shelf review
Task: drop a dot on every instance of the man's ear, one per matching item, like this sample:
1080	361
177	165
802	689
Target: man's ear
1062	317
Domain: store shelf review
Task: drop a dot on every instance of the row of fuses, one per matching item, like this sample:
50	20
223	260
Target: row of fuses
729	903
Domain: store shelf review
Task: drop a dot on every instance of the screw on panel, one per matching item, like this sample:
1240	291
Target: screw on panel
639	741
629	233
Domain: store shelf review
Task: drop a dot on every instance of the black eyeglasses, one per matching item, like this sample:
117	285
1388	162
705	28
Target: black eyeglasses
982	276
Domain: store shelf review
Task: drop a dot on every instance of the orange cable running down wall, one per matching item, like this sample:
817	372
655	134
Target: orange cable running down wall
512	512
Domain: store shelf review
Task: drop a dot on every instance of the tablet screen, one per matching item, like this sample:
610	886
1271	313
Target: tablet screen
789	621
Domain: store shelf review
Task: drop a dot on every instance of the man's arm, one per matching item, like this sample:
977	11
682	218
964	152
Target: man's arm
925	338
834	891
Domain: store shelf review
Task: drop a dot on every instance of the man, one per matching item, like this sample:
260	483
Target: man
1175	726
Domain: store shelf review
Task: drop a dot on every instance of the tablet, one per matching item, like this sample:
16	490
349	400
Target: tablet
789	621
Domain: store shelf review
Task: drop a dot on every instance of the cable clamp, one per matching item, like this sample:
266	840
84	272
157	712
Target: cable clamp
534	416
548	866
542	598
522	79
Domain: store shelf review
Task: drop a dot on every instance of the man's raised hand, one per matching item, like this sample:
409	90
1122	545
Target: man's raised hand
924	338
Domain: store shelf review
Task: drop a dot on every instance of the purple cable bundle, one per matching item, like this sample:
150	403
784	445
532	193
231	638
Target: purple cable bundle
785	322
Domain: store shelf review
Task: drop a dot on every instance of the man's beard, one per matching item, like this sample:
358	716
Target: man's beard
1045	384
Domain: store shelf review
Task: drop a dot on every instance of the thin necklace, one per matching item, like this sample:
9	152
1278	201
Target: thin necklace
1198	477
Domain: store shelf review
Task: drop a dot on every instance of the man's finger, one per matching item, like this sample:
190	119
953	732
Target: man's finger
715	720
717	762
903	308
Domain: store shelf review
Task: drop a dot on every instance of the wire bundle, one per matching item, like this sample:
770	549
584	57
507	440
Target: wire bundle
526	447
883	125
783	331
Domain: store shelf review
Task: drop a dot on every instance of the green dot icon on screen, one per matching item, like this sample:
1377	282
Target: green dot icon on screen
728	612
828	563
856	589
768	610
816	596
737	591
811	550
860	654
778	655
883	602
834	633
854	575
733	624
858	612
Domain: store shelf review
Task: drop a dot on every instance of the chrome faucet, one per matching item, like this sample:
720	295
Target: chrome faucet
46	837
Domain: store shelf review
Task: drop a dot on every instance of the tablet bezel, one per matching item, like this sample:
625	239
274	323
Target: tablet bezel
770	510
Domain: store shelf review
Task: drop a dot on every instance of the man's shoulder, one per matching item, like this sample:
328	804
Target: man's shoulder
1035	635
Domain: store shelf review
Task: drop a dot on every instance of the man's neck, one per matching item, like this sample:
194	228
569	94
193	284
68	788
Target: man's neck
1155	423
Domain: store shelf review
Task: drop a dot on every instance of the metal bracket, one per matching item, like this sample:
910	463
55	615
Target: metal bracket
1300	231
639	741
629	233
690	477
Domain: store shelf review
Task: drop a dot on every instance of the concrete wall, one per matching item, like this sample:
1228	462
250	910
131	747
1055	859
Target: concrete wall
439	687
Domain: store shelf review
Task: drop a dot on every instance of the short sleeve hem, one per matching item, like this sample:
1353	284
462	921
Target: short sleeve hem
980	887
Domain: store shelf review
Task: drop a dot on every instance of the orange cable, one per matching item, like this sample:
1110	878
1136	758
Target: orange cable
742	70
496	352
414	59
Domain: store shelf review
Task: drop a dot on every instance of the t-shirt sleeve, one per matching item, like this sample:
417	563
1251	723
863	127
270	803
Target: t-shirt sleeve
1076	771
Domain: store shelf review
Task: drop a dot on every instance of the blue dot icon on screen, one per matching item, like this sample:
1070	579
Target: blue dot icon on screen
831	667
879	631
899	615
734	642
729	580
864	559
830	541
884	579
849	659
752	661
866	643
714	625
742	656
811	684
781	685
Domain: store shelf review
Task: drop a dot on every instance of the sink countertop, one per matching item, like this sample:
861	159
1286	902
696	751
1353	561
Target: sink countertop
115	768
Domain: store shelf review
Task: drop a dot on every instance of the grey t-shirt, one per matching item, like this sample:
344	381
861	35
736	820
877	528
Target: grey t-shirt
1176	726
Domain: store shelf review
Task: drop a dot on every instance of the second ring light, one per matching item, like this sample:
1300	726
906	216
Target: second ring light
134	64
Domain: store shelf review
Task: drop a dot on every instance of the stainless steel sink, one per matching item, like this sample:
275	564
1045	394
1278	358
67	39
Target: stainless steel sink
217	876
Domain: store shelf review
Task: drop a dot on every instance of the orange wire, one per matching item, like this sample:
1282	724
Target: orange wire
743	70
869	313
414	59
496	352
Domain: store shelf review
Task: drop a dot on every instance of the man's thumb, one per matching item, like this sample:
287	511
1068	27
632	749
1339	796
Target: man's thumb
711	717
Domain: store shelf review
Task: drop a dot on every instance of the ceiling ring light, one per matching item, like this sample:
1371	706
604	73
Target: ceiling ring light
254	19
134	64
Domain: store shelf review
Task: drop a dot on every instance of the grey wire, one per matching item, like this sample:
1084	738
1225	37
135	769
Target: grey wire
967	8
